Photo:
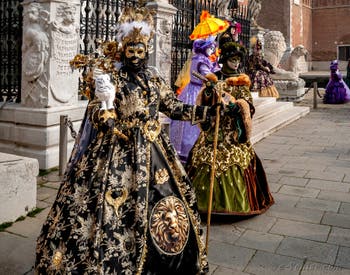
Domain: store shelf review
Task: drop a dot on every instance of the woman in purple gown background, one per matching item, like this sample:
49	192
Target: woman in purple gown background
182	133
337	91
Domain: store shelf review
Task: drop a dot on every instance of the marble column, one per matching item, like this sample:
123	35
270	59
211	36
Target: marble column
161	56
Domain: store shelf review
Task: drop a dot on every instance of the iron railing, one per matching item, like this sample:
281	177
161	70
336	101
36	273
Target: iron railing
10	50
98	20
184	23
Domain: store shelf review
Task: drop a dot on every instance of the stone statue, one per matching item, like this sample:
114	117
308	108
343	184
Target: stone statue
287	82
65	15
296	61
254	8
275	46
35	53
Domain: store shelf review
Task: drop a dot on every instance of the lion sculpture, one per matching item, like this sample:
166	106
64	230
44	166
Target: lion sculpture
296	60
275	47
287	81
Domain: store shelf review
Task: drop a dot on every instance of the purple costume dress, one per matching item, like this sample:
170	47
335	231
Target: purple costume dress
337	91
183	134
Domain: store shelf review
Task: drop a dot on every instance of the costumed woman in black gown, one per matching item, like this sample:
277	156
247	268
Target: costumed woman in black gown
126	205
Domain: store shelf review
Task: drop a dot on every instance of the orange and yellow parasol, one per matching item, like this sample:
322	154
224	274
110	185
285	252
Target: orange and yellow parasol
208	25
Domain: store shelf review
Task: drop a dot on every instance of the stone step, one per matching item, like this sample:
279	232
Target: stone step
265	127
262	101
272	109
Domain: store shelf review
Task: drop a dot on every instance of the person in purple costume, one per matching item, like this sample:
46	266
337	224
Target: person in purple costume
337	91
182	133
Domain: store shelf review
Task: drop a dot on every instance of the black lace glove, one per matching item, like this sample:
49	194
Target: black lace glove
212	109
209	88
232	109
211	114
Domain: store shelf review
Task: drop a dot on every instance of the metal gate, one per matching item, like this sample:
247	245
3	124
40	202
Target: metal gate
98	19
10	50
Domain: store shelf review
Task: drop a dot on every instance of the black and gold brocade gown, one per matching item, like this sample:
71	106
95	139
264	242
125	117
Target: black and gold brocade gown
126	205
240	184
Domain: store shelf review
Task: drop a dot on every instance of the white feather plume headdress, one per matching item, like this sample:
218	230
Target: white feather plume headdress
135	25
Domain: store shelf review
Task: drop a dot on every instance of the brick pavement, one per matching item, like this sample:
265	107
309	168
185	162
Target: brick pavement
307	231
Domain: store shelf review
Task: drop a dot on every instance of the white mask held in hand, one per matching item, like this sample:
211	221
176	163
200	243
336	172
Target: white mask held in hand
105	91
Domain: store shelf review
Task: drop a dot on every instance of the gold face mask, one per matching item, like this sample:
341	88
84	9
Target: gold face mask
135	55
138	51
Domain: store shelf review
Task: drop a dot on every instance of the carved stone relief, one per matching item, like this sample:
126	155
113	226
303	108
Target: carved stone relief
35	54
48	46
64	47
164	48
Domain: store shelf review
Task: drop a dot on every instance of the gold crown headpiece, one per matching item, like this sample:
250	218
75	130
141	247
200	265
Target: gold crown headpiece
135	25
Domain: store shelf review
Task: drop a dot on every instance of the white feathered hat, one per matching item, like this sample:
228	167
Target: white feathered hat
135	25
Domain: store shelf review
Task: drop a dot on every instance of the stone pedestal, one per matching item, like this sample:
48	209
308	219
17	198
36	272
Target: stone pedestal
49	85
34	132
290	90
17	185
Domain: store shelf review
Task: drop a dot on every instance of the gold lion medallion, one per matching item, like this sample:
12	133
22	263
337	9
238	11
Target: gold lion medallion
169	225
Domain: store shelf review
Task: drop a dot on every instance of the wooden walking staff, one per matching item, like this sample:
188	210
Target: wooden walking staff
212	171
215	144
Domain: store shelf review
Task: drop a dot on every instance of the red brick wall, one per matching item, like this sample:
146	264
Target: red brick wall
320	25
307	26
331	27
297	23
274	15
